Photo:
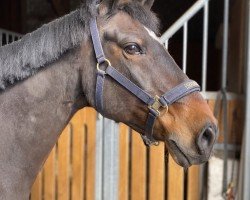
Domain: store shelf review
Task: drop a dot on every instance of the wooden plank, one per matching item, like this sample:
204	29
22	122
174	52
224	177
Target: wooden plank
193	183
124	163
156	173
175	181
36	192
212	105
235	119
63	164
49	177
78	155
91	143
138	174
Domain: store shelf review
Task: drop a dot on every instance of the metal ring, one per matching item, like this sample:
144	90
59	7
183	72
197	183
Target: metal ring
156	109
166	107
156	143
105	61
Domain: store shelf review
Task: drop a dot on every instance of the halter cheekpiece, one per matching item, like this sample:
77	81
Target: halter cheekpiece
153	103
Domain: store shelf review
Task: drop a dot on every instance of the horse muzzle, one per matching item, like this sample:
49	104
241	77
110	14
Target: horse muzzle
198	153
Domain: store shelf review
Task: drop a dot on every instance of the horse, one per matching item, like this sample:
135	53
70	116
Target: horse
106	56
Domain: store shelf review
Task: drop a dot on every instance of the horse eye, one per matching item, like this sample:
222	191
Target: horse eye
133	49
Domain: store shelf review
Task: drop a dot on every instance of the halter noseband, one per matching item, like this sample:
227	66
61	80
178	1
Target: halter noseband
154	103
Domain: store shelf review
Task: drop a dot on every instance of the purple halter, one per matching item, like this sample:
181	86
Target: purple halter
153	103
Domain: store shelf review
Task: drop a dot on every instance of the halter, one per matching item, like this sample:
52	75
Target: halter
153	103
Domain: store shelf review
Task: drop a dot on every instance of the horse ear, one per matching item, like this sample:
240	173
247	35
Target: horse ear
107	5
147	3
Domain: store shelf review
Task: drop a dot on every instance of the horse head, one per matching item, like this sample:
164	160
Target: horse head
128	34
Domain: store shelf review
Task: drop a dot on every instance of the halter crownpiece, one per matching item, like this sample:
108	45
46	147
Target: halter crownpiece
154	103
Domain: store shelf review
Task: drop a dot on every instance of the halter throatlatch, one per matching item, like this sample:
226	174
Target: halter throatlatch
154	103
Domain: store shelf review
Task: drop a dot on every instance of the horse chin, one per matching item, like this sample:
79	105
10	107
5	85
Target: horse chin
182	158
178	155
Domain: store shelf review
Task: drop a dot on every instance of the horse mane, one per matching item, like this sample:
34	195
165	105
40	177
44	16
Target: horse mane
23	58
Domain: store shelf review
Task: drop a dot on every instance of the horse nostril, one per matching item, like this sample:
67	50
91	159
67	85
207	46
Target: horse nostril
206	140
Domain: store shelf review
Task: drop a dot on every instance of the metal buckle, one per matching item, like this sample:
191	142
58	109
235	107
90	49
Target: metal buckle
156	105
149	142
98	65
156	143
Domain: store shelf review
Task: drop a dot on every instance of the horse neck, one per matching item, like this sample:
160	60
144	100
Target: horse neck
33	113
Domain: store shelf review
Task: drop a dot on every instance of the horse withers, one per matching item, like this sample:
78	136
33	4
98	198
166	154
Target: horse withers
51	73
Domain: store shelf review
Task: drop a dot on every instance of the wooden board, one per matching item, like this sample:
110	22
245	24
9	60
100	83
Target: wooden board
156	172
193	183
78	155
69	172
36	193
175	181
90	151
124	163
49	177
63	165
235	118
138	173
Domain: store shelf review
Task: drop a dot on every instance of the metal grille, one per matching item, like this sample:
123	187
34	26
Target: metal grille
6	37
182	23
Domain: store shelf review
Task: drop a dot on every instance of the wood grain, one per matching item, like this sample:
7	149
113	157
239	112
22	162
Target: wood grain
193	183
78	155
156	173
124	163
175	181
63	165
139	167
49	177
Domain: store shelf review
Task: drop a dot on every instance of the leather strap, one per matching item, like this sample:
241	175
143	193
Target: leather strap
129	85
99	54
179	92
167	99
99	91
100	57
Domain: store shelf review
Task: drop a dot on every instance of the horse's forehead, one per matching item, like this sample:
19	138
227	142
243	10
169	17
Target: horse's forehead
123	21
152	34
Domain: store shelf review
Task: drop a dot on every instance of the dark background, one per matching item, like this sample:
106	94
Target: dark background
24	16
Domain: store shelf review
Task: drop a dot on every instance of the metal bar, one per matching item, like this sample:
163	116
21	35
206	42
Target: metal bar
110	160
7	38
166	44
184	18
225	134
10	32
99	158
214	96
205	47
1	38
230	147
223	86
246	140
225	44
185	39
107	159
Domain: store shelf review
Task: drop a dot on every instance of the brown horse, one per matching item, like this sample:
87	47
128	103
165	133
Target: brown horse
51	73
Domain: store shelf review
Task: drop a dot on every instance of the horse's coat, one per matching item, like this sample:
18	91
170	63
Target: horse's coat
60	56
35	50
